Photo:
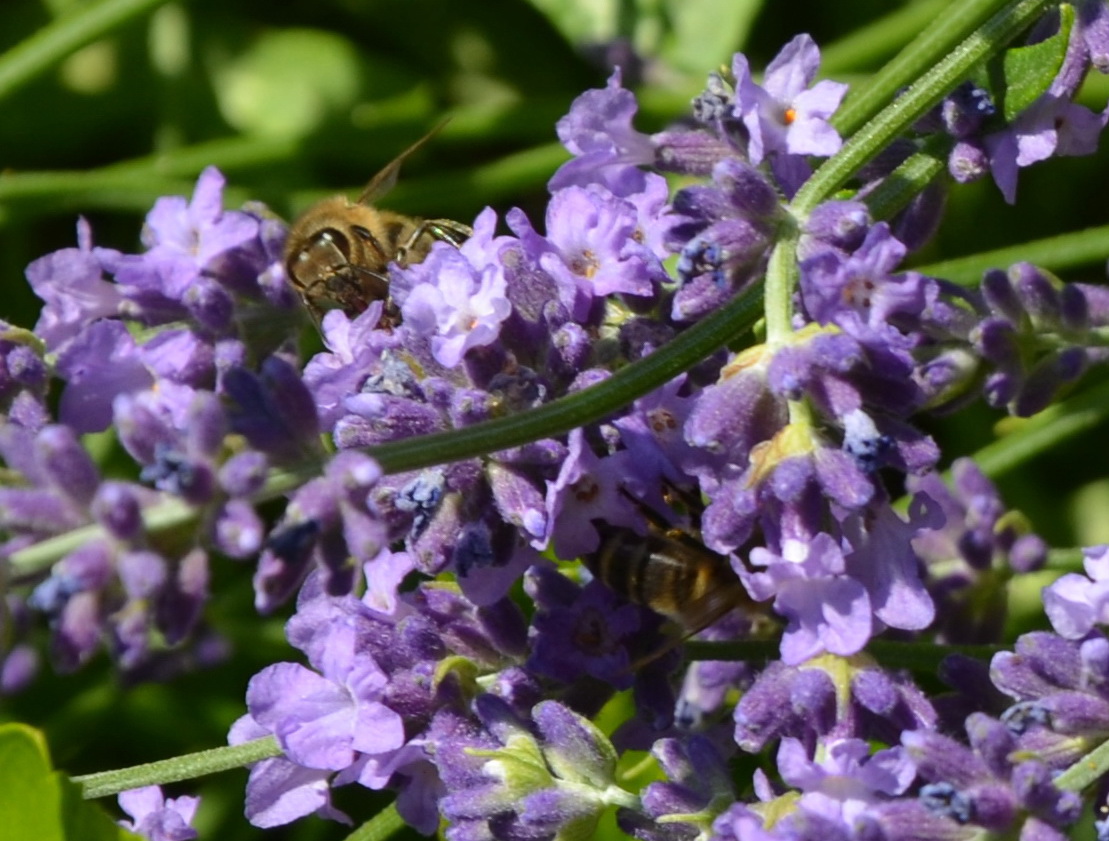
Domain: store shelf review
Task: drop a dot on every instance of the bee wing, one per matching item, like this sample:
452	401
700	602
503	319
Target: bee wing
386	179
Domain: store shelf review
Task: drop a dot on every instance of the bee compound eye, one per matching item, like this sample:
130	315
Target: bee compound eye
332	239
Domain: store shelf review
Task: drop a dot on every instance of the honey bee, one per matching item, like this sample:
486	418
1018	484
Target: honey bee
338	251
669	571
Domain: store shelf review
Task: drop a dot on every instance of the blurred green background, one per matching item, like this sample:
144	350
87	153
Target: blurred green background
296	100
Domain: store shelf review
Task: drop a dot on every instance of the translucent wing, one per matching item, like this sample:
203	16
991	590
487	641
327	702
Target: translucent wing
386	179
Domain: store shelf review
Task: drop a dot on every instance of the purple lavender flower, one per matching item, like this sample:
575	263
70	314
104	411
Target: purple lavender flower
156	817
72	285
598	132
458	307
784	116
280	791
1075	603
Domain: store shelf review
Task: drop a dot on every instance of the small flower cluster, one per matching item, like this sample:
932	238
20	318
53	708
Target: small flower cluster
445	691
185	356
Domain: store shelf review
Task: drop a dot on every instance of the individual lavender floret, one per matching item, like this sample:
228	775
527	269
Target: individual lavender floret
989	784
278	791
1075	603
844	788
980	547
550	776
72	286
459	308
785	116
591	249
785	119
609	152
156	817
598	132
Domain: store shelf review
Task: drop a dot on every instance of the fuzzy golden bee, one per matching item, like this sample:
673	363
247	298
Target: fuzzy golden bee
670	572
338	252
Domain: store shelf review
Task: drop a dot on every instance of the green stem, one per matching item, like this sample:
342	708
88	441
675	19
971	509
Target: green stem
1090	768
557	417
781	279
867	45
1039	434
928	90
187	767
901	186
59	39
586	406
384	824
1058	253
946	28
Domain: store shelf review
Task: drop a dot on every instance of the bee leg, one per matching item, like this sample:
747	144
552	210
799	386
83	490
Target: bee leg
445	230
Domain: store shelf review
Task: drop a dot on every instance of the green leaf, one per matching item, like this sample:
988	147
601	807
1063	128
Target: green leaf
706	33
1027	72
582	21
40	804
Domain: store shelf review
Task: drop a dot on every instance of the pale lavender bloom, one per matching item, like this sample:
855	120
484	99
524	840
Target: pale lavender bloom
101	362
859	292
457	307
156	817
847	782
1075	603
353	354
587	487
322	721
71	283
1053	125
593	250
598	132
279	791
784	115
826	610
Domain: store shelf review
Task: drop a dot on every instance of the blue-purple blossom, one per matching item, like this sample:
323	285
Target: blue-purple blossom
784	115
1075	603
156	817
